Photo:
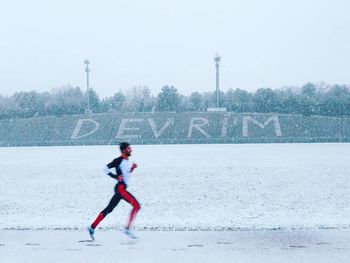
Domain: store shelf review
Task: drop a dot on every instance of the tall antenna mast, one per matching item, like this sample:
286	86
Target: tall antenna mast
87	70
217	60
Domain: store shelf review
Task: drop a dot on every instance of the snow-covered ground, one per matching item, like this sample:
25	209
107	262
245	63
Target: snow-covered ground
302	246
266	203
247	186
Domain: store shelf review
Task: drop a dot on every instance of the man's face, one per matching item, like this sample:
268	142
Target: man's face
127	151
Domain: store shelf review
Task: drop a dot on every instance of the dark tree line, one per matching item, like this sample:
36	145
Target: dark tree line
331	100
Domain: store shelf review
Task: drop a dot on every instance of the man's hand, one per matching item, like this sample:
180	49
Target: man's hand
120	178
133	167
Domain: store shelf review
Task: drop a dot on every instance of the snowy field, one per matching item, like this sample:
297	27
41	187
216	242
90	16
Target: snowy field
302	246
272	199
248	186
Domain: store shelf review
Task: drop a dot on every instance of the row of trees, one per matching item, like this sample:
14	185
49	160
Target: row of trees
328	100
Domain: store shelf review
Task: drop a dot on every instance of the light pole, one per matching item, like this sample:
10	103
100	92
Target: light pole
217	60
87	70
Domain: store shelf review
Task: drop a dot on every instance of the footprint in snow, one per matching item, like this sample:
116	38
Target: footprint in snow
297	246
323	243
195	245
93	245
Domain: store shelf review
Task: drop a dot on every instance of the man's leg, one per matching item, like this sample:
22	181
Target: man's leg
131	200
112	204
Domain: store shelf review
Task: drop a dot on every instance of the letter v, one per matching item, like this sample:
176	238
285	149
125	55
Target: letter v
157	132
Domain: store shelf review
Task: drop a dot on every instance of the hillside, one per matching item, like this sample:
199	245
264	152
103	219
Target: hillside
170	128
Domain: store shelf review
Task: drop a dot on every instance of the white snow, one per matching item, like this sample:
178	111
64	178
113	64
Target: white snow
296	194
245	186
301	246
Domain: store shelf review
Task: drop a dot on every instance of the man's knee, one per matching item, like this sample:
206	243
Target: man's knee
136	206
106	211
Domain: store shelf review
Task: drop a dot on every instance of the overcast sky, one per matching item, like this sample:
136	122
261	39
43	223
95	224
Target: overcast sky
263	43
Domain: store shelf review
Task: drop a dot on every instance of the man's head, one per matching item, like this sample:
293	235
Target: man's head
125	148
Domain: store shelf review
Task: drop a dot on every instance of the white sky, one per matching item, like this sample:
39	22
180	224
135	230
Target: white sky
263	43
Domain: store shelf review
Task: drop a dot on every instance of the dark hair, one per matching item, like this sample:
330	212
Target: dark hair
123	146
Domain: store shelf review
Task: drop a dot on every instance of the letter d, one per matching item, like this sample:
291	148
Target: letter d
78	127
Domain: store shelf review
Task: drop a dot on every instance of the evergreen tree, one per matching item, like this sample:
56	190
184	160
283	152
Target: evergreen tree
168	99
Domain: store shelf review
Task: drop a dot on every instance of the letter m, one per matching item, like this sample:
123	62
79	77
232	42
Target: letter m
274	119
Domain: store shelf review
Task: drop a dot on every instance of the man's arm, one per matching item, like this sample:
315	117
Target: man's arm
107	171
133	167
114	164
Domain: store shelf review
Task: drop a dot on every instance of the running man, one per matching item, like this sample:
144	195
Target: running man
123	170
